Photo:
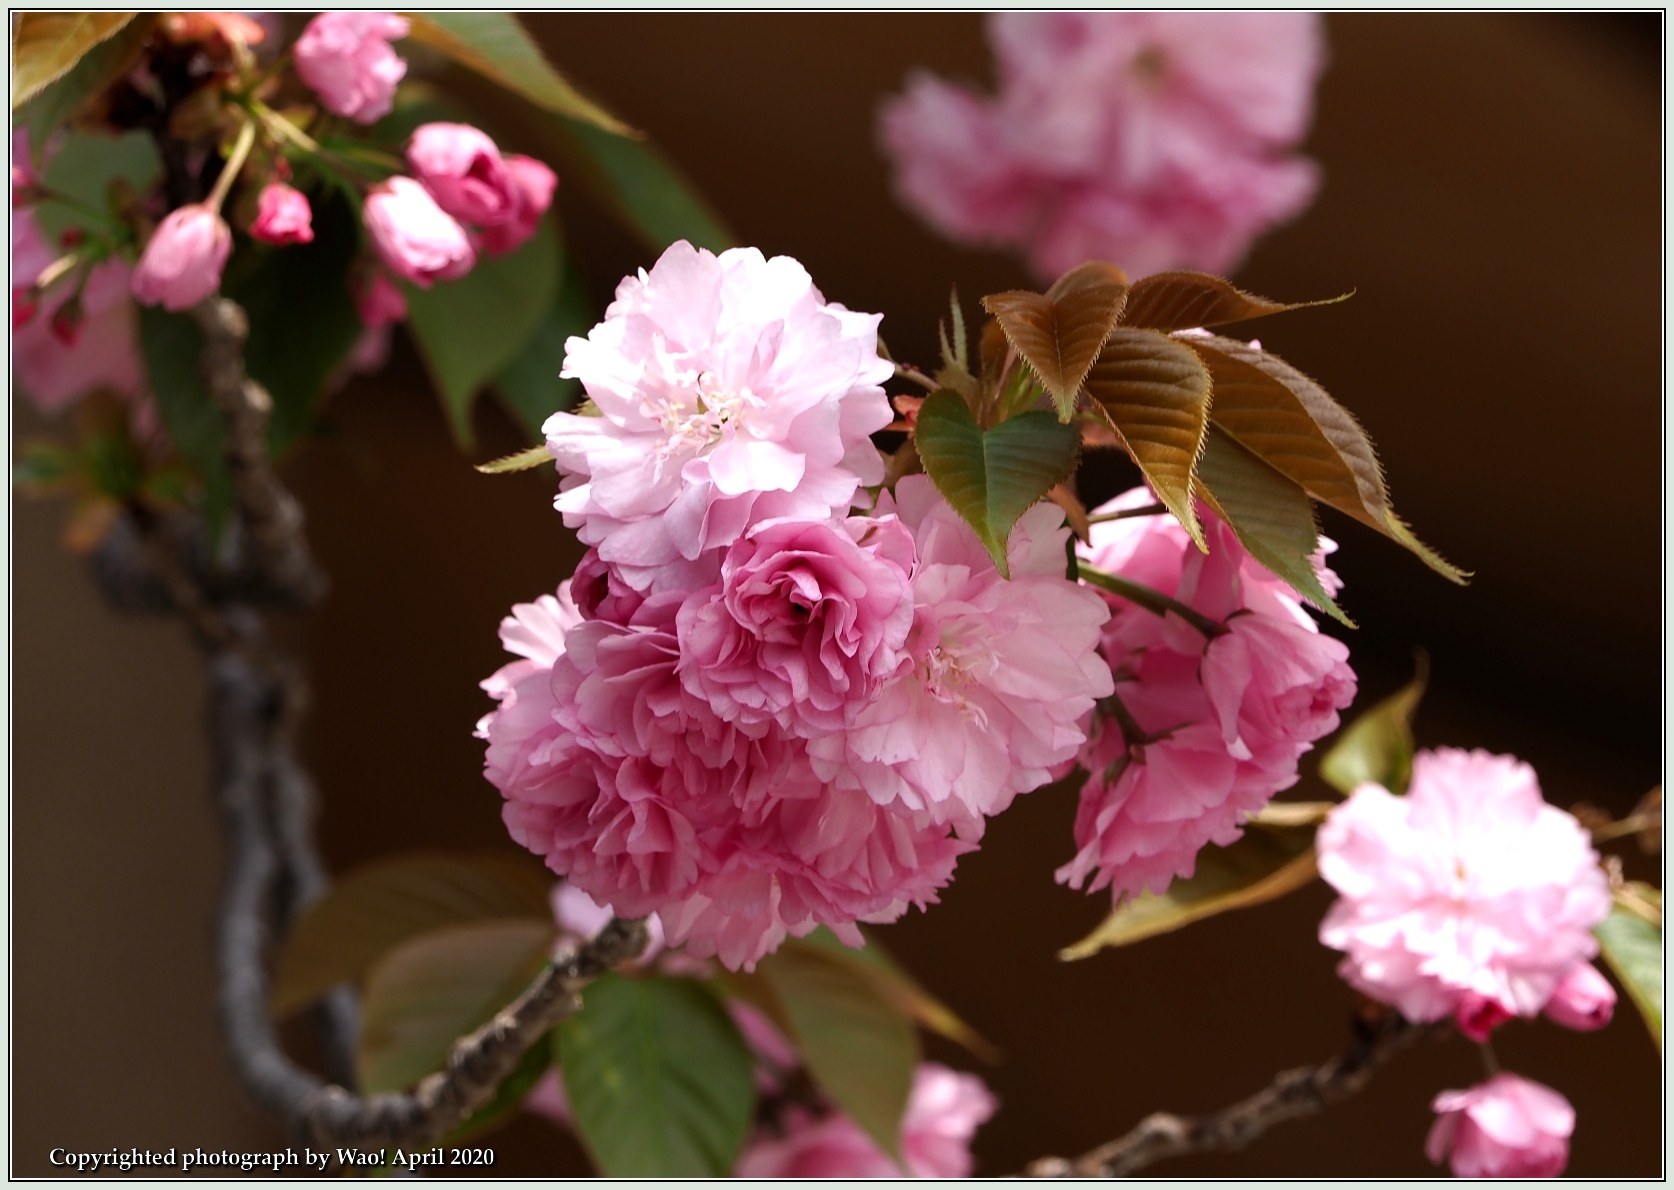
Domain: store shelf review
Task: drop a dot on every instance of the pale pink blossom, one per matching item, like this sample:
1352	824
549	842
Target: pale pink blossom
1469	889
729	392
415	238
283	216
182	263
1154	139
462	169
943	1113
347	59
535	633
535	185
999	677
1203	729
1582	1000
380	304
1507	1127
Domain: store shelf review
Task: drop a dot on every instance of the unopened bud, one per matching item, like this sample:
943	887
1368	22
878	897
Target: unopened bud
67	320
25	301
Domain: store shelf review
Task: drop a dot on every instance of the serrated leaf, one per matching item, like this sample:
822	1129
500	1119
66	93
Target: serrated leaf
1271	515
530	386
468	330
1378	745
431	990
859	1046
992	477
60	101
1059	333
46	45
523	460
1262	866
1632	947
1181	300
498	47
1286	419
1155	394
380	906
659	1080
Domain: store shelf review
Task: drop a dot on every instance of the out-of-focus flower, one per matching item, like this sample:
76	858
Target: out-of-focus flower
1202	730
1582	1000
347	59
379	302
283	216
462	169
535	185
415	238
730	392
23	170
1154	139
943	1113
1507	1127
1469	889
182	264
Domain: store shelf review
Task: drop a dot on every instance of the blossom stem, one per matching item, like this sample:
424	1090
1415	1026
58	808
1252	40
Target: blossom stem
1150	599
1122	514
235	162
908	372
1489	1060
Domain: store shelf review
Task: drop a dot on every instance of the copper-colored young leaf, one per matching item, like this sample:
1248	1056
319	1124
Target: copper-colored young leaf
523	460
1156	395
1270	514
1265	864
1178	300
61	100
45	45
1378	745
1059	333
1289	421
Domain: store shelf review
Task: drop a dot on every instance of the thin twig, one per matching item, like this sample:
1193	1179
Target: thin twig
1292	1095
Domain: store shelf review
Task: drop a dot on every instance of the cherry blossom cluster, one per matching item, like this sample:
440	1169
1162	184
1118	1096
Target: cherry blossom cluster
1470	897
775	695
1157	139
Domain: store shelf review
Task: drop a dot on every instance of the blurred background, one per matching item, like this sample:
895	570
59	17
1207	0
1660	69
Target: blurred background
1492	194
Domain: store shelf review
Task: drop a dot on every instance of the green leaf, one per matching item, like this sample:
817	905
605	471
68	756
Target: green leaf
1270	514
84	168
1378	745
468	330
172	346
858	1045
992	477
530	385
659	1080
1059	333
1633	948
303	321
1155	394
60	101
431	990
508	1096
637	183
42	465
376	908
1265	864
46	45
496	46
1179	300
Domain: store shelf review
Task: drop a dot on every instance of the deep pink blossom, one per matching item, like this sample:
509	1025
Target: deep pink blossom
1154	139
729	392
283	216
943	1113
1203	729
415	238
182	264
1582	1000
347	59
535	185
379	302
23	169
462	169
1468	889
1507	1127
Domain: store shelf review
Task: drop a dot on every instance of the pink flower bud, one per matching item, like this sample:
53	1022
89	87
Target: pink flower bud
1477	1016
346	58
67	320
1583	1000
182	264
415	237
380	303
462	168
24	305
283	216
1507	1127
534	183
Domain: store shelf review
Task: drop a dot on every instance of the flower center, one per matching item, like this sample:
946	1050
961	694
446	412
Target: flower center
703	424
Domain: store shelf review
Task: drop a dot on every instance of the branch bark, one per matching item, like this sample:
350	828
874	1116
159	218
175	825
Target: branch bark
1291	1095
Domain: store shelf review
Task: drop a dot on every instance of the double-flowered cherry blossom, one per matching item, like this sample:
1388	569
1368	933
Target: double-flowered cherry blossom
348	61
1203	729
182	262
414	237
1469	897
1507	1127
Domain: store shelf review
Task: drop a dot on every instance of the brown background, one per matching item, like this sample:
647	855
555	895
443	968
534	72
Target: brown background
1492	192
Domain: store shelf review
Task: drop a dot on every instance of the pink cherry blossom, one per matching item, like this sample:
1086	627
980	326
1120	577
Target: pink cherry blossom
1469	889
1203	730
415	238
943	1113
535	185
1583	999
182	263
347	59
283	216
808	619
23	169
462	169
729	393
999	678
1507	1127
379	302
1155	139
